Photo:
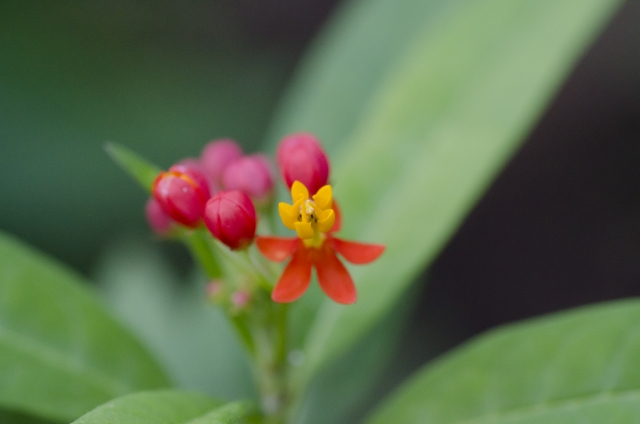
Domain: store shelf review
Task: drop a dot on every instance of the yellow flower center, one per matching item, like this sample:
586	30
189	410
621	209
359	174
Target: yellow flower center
309	217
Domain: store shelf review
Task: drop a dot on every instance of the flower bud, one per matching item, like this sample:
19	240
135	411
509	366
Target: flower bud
215	157
182	193
215	290
231	218
192	163
194	171
240	299
158	220
251	175
300	157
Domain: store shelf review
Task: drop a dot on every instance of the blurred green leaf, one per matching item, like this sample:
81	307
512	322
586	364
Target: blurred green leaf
347	63
141	170
435	134
573	367
232	413
13	417
344	386
160	407
61	354
192	339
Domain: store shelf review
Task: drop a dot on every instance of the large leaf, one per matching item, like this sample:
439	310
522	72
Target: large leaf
347	63
61	354
344	388
232	413
435	134
170	407
12	417
573	367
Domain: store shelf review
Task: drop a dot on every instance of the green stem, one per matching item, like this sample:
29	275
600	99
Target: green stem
200	248
271	366
262	327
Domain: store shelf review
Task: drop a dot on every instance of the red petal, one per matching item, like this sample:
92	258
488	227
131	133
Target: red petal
277	249
334	278
357	253
295	279
338	222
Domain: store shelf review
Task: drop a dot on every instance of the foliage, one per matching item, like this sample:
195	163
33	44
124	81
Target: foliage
420	104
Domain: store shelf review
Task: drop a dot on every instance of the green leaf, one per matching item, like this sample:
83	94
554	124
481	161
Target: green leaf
13	417
158	407
574	367
340	74
347	63
61	354
436	132
346	385
232	413
143	171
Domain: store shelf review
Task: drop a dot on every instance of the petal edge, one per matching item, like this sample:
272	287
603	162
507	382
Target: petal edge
357	253
295	278
277	249
334	279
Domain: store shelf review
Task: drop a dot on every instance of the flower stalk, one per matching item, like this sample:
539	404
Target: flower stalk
217	203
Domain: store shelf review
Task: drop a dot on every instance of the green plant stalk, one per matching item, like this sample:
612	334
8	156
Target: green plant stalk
199	246
270	367
262	327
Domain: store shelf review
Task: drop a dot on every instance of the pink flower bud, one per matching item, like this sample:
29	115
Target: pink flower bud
231	218
159	221
300	157
214	289
240	299
182	193
216	156
192	163
251	175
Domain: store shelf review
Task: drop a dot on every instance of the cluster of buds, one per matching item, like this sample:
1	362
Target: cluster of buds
218	189
223	189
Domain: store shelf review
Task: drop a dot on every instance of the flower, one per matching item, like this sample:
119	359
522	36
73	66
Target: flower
251	175
215	157
231	218
315	220
301	158
182	193
308	217
158	220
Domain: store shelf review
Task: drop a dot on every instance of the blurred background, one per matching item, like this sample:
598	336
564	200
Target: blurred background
559	228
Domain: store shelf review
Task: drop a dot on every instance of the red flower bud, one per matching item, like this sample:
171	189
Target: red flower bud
231	218
216	156
182	193
300	157
251	175
194	171
159	221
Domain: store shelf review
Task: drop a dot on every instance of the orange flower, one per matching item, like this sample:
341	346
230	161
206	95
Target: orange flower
315	220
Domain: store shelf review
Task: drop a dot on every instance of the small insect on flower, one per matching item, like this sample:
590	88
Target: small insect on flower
315	220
